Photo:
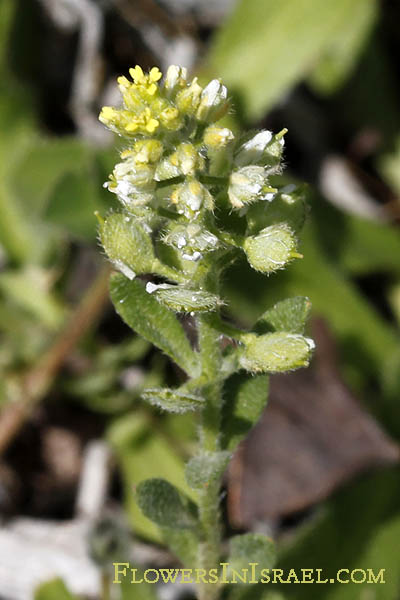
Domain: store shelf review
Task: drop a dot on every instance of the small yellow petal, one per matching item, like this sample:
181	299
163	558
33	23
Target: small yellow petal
123	82
131	126
152	89
137	74
107	112
151	125
155	74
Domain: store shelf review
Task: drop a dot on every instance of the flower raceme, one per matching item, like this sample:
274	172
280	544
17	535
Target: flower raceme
182	178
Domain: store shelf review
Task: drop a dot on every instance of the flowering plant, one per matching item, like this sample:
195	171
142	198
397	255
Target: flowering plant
193	197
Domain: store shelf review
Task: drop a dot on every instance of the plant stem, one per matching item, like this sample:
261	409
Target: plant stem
208	497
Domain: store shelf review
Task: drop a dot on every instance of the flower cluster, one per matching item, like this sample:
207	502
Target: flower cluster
182	177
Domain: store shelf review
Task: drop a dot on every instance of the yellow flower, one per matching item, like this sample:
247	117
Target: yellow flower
149	81
144	151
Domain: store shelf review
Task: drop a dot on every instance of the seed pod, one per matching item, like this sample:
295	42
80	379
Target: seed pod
175	401
272	249
277	353
127	244
182	299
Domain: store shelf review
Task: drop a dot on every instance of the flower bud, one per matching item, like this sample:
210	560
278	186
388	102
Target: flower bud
166	169
248	185
272	248
129	122
144	152
175	80
217	137
213	102
188	99
127	244
187	159
133	183
277	353
190	197
263	148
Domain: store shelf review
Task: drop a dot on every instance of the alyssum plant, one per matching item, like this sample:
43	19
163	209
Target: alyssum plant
193	198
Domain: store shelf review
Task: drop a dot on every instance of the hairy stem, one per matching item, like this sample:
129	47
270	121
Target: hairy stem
208	497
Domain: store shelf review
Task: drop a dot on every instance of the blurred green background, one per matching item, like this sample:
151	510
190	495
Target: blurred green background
328	70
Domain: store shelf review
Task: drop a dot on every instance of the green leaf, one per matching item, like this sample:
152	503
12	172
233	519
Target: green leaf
350	533
165	505
142	452
245	397
277	353
55	588
340	58
363	247
389	165
205	468
141	591
22	239
28	289
184	544
7	13
268	46
127	244
154	322
251	548
289	315
175	401
72	204
44	165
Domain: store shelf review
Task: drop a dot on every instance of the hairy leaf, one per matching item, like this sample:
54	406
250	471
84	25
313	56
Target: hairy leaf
143	452
245	397
206	468
289	315
183	543
162	502
154	322
127	244
251	548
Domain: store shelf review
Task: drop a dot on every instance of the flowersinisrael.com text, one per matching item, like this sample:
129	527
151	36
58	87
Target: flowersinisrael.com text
254	573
